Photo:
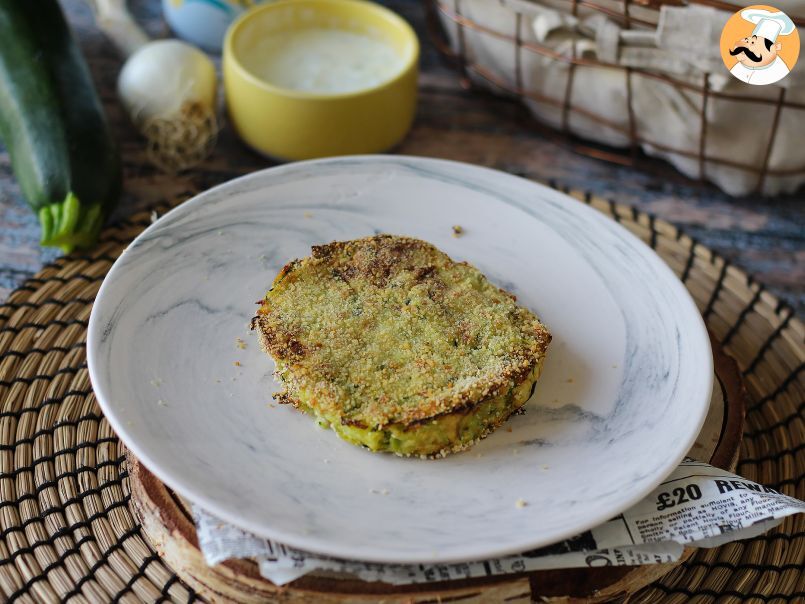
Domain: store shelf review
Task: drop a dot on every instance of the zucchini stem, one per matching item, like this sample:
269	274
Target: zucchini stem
69	224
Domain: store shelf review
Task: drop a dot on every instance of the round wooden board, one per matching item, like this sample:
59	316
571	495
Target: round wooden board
168	523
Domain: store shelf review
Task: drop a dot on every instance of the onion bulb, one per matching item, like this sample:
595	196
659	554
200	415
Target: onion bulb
168	88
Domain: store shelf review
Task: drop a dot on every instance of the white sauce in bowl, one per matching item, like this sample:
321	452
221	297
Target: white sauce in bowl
322	60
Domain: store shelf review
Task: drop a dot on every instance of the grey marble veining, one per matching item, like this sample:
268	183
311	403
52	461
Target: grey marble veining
623	394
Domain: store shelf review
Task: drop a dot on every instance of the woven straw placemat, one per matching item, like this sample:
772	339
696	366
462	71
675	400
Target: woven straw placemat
67	531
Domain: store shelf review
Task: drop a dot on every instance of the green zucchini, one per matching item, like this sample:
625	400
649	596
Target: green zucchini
53	125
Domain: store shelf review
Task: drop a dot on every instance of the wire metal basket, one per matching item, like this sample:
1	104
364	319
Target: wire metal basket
630	13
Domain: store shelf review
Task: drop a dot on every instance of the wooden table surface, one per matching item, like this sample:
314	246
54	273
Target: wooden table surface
765	237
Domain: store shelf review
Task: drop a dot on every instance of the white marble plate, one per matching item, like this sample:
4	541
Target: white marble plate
624	391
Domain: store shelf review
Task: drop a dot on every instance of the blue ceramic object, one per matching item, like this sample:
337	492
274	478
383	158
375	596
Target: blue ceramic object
203	22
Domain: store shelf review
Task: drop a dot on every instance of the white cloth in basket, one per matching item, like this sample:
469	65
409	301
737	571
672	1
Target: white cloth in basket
684	45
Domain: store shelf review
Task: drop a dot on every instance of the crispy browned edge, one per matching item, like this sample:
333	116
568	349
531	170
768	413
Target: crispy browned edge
462	401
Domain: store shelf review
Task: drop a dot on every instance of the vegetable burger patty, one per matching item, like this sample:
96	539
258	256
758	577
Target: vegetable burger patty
397	347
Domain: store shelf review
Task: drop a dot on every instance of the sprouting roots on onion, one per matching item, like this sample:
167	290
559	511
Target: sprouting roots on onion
168	87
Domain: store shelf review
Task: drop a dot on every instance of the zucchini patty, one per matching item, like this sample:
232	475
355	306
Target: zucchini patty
397	347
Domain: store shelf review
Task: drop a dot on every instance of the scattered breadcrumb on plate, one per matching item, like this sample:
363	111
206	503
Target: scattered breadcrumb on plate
458	230
520	503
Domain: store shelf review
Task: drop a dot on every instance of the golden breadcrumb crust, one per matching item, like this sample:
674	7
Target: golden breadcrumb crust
389	330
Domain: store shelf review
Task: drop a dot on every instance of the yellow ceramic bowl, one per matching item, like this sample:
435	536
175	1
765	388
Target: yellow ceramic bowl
295	124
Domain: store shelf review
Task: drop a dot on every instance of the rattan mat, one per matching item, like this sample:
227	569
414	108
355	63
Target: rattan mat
67	531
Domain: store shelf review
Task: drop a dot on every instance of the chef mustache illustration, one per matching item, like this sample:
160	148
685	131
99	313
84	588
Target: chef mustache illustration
749	54
755	51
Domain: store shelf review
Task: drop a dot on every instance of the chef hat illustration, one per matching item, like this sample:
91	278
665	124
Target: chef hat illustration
769	24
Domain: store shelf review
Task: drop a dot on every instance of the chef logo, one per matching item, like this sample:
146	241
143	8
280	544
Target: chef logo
760	45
